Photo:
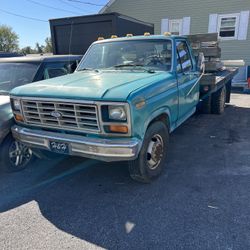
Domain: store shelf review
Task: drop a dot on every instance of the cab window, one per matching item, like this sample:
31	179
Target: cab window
184	62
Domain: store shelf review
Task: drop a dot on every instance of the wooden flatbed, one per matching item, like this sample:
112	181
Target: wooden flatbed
215	84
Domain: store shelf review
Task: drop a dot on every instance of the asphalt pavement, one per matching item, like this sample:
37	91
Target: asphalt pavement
202	201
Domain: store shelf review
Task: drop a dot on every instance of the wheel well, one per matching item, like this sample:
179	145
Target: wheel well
164	118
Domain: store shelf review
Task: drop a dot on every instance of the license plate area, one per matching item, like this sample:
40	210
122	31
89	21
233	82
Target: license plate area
59	147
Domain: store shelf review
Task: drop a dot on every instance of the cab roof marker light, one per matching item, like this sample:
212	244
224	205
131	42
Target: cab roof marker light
114	36
167	34
129	35
100	38
147	34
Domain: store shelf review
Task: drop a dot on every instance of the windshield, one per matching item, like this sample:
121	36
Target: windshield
144	54
16	74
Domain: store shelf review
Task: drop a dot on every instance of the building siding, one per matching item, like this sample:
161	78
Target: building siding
155	11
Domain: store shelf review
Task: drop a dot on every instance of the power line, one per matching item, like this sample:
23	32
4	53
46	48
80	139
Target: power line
54	8
30	18
105	6
88	3
65	2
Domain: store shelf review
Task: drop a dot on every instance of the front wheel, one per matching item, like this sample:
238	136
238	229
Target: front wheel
15	156
152	158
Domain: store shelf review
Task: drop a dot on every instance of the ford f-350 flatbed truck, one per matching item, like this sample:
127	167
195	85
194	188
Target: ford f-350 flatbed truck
125	98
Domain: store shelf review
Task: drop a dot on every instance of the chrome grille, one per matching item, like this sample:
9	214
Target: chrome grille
73	116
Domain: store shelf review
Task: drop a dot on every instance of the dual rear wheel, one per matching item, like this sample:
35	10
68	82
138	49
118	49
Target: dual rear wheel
215	103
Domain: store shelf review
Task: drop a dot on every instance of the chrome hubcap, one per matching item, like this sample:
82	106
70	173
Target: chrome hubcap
155	152
19	154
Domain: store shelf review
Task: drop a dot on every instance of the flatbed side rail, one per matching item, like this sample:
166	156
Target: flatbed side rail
212	82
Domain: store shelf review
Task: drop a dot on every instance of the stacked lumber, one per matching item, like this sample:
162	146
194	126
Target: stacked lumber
208	44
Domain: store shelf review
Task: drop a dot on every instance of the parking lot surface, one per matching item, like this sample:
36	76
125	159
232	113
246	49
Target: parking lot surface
202	201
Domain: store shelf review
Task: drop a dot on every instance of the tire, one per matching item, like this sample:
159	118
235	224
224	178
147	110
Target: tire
206	106
153	154
218	101
14	155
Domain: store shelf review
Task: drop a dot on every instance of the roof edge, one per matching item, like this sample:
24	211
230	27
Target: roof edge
110	2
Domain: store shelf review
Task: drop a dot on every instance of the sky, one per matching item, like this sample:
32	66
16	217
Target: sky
32	31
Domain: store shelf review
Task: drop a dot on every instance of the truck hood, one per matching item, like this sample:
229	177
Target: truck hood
115	85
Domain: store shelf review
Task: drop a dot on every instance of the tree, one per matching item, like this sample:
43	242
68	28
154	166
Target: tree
27	50
48	45
39	48
8	39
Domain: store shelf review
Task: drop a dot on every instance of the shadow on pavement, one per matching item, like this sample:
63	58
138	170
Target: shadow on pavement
201	201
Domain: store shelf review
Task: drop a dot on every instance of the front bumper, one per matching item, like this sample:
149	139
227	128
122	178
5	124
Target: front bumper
96	148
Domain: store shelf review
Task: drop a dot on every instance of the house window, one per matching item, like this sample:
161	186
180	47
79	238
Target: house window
175	26
228	26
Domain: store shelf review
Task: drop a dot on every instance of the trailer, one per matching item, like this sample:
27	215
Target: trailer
74	35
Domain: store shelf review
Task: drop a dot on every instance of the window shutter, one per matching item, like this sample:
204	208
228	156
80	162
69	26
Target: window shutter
164	25
213	23
186	25
243	25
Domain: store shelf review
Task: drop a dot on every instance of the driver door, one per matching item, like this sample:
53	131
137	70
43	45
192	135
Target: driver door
187	81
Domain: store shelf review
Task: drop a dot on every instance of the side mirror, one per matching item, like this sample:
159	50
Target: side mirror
200	62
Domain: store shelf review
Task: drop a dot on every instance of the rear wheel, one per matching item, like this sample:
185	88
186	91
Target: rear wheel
15	156
206	105
152	157
218	101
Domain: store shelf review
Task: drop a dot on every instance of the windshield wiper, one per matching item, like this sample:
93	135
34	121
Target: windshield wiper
128	65
134	65
88	69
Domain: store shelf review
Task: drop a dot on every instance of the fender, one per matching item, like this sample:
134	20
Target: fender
155	114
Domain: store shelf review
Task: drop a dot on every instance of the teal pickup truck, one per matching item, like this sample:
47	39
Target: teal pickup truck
124	99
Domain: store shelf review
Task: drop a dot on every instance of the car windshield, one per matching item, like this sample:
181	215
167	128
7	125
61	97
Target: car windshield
16	74
134	54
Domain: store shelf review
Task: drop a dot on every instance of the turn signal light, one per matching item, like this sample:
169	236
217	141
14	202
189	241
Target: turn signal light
118	129
18	118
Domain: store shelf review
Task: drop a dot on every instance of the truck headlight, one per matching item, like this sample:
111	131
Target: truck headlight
117	113
16	106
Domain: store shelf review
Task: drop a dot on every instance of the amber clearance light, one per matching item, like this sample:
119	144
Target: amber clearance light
18	118
118	129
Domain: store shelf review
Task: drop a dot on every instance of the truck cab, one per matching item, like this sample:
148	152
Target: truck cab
123	100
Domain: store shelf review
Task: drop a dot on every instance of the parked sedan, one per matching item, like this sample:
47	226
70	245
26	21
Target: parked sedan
15	72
